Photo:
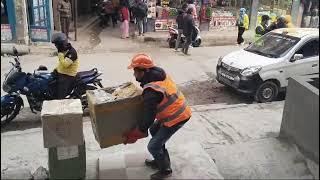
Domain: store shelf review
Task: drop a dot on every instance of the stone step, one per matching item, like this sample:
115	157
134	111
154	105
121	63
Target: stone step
188	161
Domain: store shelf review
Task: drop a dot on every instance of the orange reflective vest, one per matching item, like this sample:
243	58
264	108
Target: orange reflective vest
173	108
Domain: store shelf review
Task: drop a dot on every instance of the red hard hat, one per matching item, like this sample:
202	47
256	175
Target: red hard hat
141	60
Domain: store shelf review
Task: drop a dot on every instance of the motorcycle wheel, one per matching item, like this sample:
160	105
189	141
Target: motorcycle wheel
197	43
10	113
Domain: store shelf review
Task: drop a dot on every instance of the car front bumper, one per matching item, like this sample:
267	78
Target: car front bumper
242	84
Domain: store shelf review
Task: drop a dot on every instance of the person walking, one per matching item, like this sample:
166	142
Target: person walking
140	13
125	19
179	20
162	101
64	9
243	25
188	28
194	9
109	10
262	28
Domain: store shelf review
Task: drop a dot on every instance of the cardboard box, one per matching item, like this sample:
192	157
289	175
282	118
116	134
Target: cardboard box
62	123
111	119
67	162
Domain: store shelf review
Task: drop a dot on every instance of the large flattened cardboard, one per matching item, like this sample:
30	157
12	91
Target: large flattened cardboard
110	120
62	123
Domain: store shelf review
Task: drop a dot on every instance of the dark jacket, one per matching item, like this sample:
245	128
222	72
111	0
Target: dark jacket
179	19
151	98
140	10
188	25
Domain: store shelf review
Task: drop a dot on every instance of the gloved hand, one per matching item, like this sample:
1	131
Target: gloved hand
133	135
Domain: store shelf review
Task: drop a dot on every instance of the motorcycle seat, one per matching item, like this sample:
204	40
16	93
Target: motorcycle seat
85	74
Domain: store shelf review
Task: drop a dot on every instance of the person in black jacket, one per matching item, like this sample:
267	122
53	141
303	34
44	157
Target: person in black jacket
188	27
140	11
179	21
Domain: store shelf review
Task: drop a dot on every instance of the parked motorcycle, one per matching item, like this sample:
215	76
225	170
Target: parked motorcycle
173	36
38	87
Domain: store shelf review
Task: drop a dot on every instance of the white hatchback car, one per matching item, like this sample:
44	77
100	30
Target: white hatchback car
263	68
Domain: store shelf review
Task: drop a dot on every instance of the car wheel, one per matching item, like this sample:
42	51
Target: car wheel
266	92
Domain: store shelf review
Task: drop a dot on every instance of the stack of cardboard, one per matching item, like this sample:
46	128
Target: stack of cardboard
63	136
114	111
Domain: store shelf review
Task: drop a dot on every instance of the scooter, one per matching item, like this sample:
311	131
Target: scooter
38	87
173	35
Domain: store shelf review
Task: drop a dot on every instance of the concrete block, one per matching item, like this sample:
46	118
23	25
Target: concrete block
62	123
7	48
300	122
92	168
112	166
113	174
189	161
142	172
136	160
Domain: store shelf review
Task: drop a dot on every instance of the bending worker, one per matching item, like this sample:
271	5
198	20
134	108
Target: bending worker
262	28
163	102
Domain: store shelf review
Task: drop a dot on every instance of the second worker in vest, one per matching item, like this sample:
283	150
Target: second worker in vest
165	112
262	28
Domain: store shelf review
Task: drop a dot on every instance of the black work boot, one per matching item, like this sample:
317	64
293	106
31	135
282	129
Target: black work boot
151	163
165	170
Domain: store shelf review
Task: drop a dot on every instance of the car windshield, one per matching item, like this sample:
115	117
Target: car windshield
273	45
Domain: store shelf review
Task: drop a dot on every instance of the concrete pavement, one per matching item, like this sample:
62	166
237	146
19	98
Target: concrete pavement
209	38
218	129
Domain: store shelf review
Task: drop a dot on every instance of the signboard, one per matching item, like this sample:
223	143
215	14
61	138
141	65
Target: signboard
39	34
6	33
223	22
163	25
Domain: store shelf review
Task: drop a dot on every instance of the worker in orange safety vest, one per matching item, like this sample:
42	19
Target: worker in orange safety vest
165	112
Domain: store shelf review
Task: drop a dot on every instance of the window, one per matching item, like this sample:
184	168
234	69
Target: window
311	48
273	45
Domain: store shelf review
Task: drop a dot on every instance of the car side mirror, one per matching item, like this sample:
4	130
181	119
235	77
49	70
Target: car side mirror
15	51
296	57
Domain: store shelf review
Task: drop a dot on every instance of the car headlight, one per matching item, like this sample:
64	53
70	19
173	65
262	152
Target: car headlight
250	71
219	61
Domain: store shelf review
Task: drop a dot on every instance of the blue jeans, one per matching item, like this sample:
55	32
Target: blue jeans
140	25
145	21
160	136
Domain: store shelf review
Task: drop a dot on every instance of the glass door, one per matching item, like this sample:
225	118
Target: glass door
39	20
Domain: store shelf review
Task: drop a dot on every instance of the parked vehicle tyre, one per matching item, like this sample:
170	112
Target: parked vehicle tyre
197	43
9	113
266	92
